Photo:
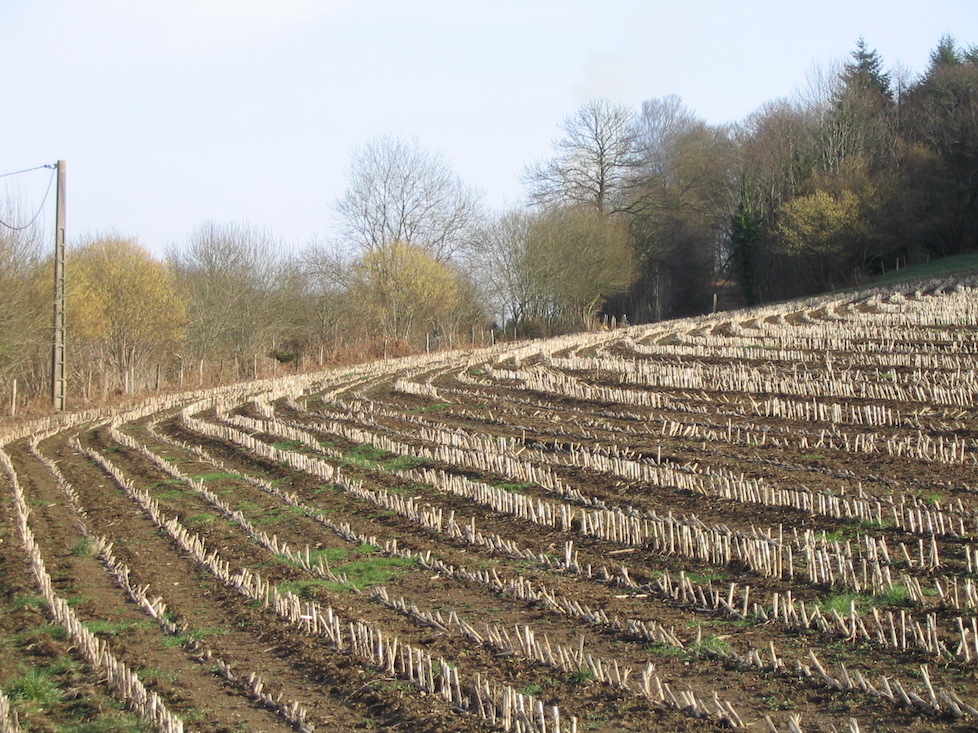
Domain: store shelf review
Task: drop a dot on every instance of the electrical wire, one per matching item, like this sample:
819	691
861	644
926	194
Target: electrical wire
28	170
43	201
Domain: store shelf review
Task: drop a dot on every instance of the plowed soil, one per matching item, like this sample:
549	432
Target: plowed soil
226	492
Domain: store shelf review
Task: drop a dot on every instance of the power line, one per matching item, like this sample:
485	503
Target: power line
43	201
28	170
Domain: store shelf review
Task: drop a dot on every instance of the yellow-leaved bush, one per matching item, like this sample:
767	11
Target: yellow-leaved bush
123	312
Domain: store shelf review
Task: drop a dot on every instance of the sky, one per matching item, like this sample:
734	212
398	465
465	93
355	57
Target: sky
173	113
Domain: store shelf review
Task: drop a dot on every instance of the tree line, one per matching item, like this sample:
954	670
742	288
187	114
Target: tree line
638	215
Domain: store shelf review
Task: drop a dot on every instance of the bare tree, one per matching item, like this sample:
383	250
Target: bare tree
681	202
399	192
593	162
508	272
228	274
24	311
660	122
555	267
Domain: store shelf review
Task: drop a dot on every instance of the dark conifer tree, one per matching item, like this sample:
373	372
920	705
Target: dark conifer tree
946	54
746	230
865	71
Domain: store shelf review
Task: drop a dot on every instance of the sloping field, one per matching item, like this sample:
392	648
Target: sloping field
764	520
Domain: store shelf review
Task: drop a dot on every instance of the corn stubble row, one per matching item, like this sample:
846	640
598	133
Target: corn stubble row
814	378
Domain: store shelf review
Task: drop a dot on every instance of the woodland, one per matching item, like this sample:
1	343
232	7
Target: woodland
638	216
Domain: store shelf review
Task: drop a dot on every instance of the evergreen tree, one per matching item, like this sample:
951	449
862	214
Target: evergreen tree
746	230
941	113
946	54
865	71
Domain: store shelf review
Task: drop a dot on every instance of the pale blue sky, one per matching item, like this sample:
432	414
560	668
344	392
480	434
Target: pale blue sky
171	113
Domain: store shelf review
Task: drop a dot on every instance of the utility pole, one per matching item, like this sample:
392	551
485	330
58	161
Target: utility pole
58	350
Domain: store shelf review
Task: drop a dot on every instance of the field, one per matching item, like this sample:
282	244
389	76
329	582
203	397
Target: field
763	519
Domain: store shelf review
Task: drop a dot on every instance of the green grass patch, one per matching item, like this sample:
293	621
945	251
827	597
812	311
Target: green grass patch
581	676
204	632
28	600
513	488
661	649
55	631
367	452
360	573
214	476
172	494
201	518
114	628
873	524
366	573
408	490
898	595
36	688
711	643
332	556
842	602
76	601
707	576
155	673
287	445
403	463
367	456
838	535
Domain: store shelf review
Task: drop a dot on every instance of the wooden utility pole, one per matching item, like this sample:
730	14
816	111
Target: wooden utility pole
58	350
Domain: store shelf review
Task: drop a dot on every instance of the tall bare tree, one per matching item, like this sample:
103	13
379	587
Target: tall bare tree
399	192
593	162
229	275
24	311
682	196
507	270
